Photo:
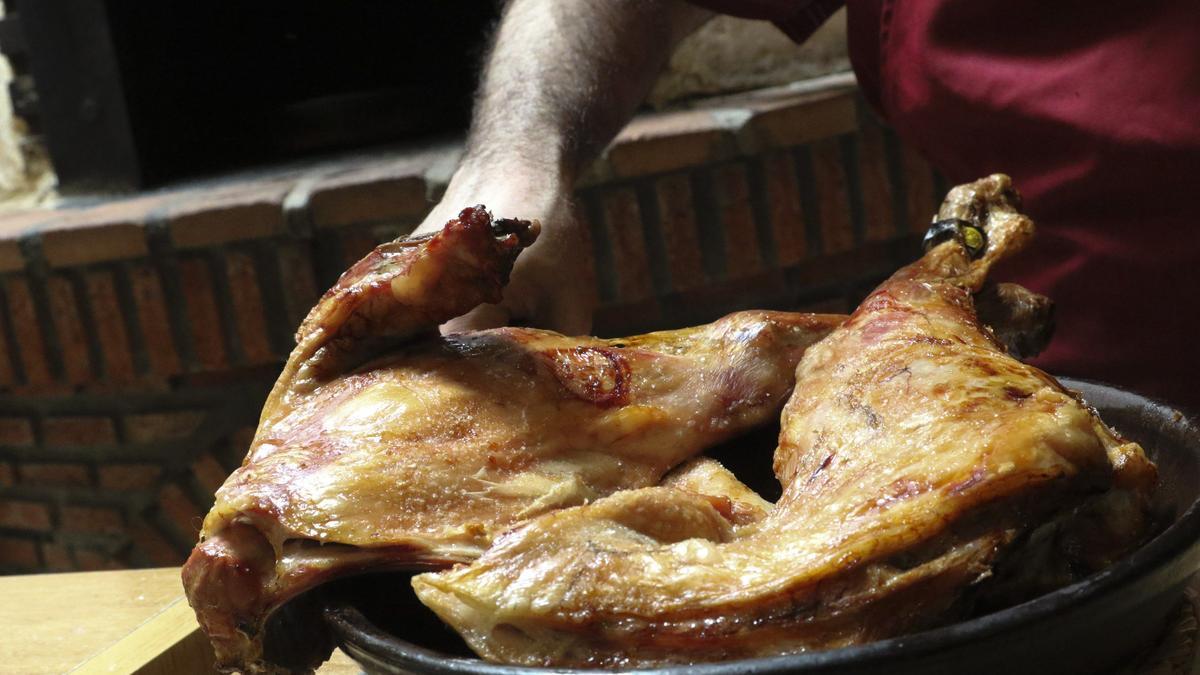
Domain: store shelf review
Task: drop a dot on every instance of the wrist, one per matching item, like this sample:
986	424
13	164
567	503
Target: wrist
509	189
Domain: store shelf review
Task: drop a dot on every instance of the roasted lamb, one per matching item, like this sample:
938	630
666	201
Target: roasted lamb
925	472
385	446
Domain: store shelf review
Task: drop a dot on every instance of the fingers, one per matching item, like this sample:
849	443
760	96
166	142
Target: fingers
568	319
483	316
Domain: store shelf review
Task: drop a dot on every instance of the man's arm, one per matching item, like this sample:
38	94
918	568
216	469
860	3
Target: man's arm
561	79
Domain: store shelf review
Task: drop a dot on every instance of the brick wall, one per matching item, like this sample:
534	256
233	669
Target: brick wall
98	480
139	337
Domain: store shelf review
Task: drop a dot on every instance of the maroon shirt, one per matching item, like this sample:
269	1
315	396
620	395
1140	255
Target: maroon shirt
1094	109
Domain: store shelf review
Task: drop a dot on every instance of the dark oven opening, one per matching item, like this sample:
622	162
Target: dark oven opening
132	94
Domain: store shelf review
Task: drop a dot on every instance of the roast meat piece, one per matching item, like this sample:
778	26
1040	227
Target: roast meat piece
386	446
924	470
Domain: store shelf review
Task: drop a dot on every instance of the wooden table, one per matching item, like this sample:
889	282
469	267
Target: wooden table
137	621
133	621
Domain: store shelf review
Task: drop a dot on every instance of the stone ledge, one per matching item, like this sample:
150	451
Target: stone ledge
252	210
397	186
724	128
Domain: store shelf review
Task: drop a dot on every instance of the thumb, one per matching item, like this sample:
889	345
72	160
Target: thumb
483	316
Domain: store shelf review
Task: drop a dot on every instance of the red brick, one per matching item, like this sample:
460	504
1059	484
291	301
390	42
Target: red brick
299	285
248	308
227	377
844	269
91	560
742	252
10	360
78	431
162	426
242	438
702	304
393	231
64	311
57	558
393	190
154	547
661	142
8	376
110	231
110	325
55	474
180	510
13	226
129	476
203	316
876	186
16	431
208	472
786	211
591	221
18	553
827	306
92	520
24	515
678	217
355	244
627	319
238	448
796	119
837	232
29	336
152	319
11	257
7	475
623	222
251	209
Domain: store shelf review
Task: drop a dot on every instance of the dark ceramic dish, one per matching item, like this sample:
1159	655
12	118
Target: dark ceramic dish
1084	628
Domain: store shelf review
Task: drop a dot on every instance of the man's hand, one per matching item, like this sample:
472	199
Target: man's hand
552	284
561	79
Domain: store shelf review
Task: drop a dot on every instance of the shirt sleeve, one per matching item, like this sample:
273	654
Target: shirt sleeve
798	18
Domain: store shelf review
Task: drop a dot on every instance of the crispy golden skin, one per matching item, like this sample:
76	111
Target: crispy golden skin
918	461
385	446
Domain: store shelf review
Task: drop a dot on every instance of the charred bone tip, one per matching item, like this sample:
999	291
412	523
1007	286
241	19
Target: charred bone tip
526	231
